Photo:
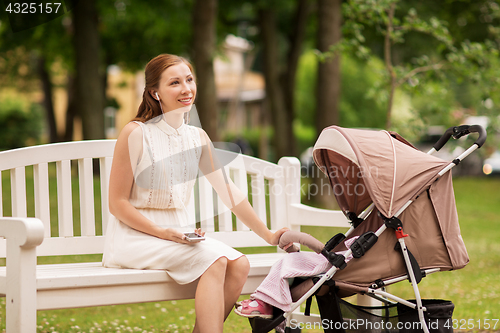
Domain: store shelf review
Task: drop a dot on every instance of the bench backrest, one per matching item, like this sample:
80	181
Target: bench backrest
65	185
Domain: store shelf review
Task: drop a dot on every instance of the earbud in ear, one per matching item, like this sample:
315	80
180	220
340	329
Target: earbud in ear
157	97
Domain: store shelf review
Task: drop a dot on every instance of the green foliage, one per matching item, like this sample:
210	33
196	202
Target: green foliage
361	105
133	31
305	135
20	123
19	51
420	46
305	91
251	136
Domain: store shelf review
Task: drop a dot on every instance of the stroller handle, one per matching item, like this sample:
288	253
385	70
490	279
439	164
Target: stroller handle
459	131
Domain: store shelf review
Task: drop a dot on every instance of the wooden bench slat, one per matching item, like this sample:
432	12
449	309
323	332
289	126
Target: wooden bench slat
224	214
18	190
82	275
104	172
277	199
238	238
191	208
254	165
56	152
240	180
258	196
113	295
206	204
1	195
64	198
301	214
42	203
86	185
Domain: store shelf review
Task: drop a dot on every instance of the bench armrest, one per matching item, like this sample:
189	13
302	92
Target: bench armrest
22	235
23	232
301	215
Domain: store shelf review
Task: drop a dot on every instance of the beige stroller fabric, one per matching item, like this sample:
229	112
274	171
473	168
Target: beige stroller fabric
366	166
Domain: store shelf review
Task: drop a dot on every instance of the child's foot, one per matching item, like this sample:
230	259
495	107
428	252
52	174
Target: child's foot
245	301
251	308
238	303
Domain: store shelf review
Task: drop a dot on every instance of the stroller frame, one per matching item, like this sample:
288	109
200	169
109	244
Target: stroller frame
392	222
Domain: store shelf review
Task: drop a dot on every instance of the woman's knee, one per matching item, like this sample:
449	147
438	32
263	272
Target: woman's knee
240	267
218	268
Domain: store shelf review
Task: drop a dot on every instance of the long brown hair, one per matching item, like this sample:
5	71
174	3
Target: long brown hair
150	107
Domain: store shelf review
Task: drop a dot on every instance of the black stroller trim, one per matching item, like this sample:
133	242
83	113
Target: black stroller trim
414	264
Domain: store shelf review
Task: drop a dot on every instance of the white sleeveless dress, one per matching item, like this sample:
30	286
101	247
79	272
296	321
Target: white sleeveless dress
163	182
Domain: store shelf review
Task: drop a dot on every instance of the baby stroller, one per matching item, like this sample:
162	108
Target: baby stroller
401	206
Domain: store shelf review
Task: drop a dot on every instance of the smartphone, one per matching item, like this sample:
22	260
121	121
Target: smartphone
193	237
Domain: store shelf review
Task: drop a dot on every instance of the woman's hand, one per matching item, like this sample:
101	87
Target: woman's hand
275	238
179	237
199	232
174	236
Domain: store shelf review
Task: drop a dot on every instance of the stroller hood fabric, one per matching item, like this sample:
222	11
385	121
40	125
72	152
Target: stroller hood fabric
377	168
366	166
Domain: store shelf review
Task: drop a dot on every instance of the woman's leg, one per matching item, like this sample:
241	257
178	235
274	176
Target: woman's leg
236	276
209	298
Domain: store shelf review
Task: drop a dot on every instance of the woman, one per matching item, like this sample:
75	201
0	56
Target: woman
155	164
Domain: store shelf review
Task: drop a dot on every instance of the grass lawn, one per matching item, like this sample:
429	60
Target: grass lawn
475	290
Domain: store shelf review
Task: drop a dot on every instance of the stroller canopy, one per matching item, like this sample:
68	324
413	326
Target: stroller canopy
366	166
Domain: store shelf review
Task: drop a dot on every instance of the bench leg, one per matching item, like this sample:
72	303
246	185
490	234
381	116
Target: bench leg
21	289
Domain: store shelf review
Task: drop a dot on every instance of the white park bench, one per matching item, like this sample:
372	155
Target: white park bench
29	287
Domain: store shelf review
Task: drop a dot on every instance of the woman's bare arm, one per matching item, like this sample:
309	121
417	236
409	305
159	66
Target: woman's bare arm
231	195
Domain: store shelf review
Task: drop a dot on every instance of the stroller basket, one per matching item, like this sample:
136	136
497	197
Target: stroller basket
339	315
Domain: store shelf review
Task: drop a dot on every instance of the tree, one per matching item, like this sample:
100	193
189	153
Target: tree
36	49
397	23
275	102
47	103
203	52
328	79
282	29
89	89
296	39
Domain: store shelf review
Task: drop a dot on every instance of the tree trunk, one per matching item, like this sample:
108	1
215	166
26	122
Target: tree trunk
274	92
296	40
328	87
47	99
203	50
328	82
71	109
388	64
89	89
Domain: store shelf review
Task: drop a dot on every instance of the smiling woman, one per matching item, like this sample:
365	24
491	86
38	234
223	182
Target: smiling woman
155	164
165	75
176	86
